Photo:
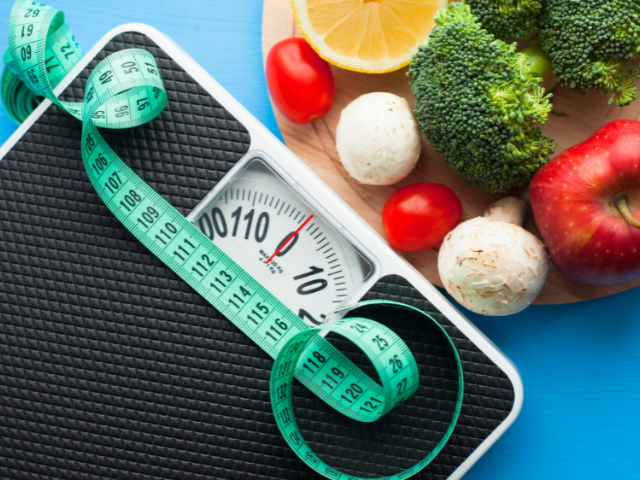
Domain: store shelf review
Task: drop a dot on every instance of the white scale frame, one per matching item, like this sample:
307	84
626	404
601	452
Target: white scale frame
388	262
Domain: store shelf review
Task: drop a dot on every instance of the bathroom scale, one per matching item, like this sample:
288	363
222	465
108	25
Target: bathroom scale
111	366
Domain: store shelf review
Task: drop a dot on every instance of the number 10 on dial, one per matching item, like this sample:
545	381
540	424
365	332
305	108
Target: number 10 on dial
276	231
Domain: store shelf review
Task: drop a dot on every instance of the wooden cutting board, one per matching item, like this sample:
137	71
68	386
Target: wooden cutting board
315	145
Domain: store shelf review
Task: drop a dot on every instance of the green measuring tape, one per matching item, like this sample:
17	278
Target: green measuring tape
125	90
61	54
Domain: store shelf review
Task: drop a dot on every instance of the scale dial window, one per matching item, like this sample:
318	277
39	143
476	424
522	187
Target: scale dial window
254	210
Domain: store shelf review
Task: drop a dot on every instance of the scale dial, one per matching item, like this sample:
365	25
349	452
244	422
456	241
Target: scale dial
254	211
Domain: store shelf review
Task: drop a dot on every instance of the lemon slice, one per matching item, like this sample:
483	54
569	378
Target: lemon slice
372	36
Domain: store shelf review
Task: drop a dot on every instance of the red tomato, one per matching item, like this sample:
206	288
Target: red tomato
300	82
418	217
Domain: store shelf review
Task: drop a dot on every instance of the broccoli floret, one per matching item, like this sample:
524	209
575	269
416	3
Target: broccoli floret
508	20
478	105
591	42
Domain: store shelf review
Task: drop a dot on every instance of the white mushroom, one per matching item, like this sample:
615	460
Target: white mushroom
378	139
492	266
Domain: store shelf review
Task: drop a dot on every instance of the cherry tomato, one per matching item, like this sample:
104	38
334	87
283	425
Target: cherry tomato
418	217
300	82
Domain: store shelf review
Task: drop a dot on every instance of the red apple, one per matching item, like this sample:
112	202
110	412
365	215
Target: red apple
587	206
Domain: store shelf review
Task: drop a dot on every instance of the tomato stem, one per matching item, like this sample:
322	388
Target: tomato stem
623	206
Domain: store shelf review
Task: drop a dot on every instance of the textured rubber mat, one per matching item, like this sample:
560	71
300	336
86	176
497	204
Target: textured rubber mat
112	367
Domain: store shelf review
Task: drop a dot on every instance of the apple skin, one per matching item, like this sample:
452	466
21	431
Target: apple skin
575	200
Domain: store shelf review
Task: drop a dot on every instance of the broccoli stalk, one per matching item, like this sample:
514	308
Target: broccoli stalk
540	64
478	104
508	20
590	44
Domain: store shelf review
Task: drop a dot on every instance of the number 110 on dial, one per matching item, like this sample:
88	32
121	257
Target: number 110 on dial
280	235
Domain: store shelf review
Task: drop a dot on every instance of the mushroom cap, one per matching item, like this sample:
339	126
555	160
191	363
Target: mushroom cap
378	139
493	267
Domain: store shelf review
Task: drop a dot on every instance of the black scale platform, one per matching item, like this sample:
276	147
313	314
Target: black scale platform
112	367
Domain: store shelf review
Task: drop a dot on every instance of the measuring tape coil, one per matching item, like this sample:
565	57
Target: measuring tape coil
393	379
125	90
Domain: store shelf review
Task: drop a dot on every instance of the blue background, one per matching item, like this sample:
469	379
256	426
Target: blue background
580	363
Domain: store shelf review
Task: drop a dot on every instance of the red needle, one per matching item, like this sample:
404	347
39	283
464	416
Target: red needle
289	239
